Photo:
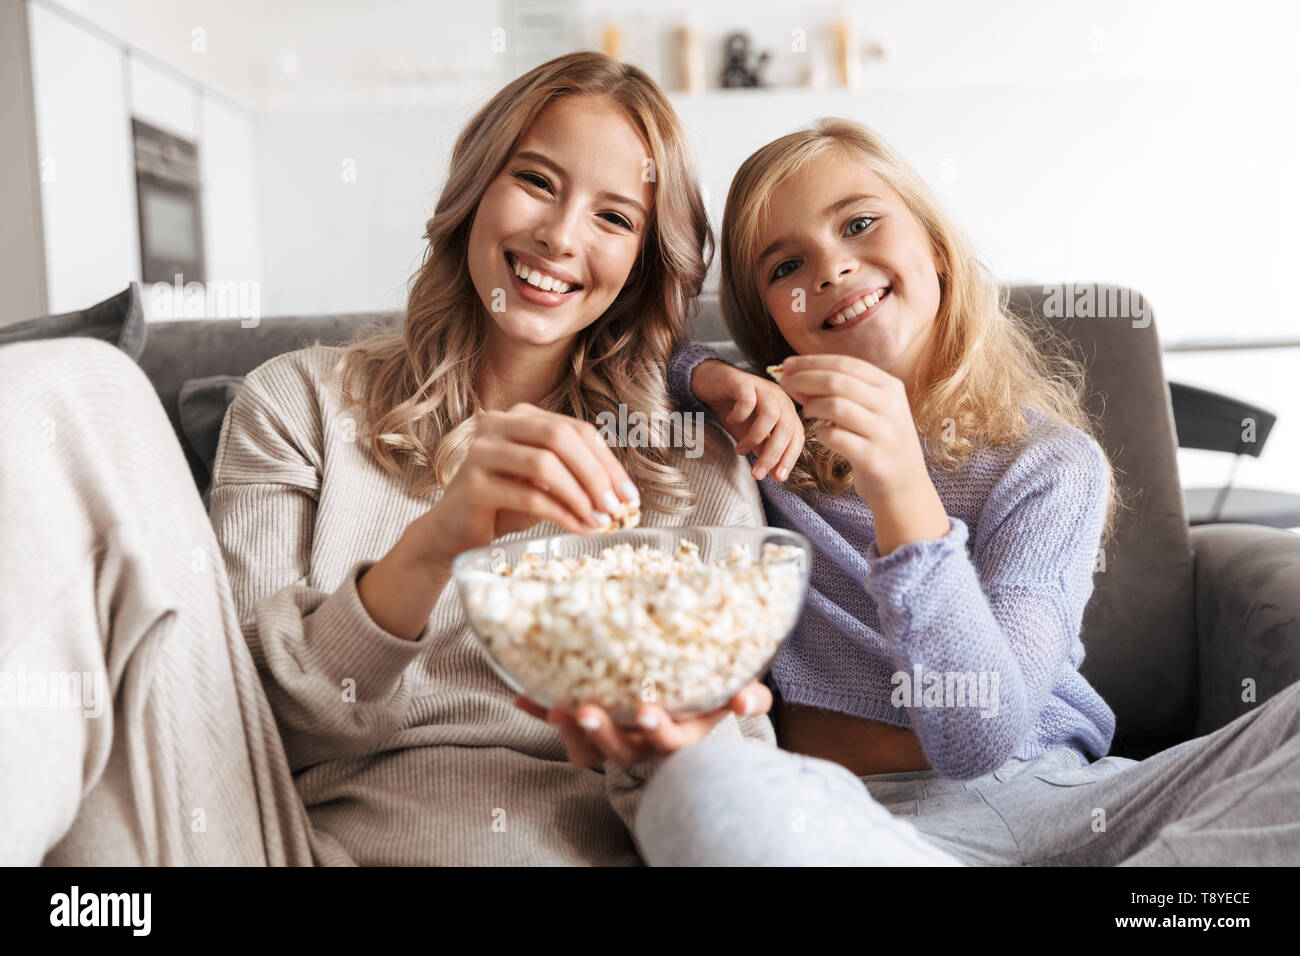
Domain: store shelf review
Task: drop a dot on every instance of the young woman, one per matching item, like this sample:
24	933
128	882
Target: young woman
956	501
301	686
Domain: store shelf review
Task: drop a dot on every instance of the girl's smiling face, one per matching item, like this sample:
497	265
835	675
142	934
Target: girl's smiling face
571	203
836	233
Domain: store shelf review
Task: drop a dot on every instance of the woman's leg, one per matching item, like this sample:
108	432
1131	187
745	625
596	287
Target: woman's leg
741	802
133	727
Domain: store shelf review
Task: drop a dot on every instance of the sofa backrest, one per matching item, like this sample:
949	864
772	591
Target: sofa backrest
180	351
1138	631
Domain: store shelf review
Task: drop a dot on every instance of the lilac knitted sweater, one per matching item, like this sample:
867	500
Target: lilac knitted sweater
970	640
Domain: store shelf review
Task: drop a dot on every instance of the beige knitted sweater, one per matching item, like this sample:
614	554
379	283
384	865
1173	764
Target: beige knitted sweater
403	752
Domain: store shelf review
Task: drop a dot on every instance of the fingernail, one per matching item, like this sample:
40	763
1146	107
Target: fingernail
748	697
782	473
648	721
610	501
788	364
602	520
759	473
589	722
629	492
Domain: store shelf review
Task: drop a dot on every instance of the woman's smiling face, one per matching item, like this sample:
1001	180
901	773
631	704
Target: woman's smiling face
836	236
572	203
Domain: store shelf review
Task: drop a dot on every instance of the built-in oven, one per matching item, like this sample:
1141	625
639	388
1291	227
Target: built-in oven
167	192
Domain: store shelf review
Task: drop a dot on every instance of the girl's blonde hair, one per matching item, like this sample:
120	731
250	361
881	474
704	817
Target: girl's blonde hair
982	364
416	386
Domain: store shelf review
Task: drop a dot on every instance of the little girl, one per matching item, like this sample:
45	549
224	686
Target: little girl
956	501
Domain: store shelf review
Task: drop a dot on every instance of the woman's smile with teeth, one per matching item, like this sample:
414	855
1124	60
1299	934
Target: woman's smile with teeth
539	279
853	310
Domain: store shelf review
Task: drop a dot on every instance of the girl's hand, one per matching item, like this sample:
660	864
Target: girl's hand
756	412
524	465
590	737
871	422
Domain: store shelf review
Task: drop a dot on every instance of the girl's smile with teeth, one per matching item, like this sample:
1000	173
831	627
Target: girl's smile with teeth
862	306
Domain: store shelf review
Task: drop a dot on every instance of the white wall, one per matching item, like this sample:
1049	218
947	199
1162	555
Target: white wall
228	168
92	245
162	99
345	196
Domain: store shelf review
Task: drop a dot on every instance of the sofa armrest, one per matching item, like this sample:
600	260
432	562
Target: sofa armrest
1247	617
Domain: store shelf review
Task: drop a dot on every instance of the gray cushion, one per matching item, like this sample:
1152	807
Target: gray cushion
202	405
118	321
188	349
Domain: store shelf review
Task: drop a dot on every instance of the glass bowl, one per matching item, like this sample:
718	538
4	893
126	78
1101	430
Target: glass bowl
682	617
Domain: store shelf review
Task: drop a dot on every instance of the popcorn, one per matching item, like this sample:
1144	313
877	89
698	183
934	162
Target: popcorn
638	624
627	516
776	371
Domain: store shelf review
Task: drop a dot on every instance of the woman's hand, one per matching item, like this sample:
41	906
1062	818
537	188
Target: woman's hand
523	466
756	412
526	465
870	420
590	737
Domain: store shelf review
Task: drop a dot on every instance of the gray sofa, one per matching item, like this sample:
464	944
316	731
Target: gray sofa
1182	620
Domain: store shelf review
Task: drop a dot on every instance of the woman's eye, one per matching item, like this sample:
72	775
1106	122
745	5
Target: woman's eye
866	220
534	179
781	271
617	220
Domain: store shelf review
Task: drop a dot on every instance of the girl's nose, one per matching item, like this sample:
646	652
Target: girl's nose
838	269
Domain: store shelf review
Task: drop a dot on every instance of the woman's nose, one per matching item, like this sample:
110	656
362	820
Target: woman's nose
556	230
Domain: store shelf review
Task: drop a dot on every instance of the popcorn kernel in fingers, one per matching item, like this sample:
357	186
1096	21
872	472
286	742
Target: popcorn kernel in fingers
776	371
624	517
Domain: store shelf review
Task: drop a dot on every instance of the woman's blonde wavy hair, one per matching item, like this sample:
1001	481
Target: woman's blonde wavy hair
416	386
983	363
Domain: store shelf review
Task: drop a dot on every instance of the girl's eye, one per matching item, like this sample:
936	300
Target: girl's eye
618	220
534	179
857	219
781	272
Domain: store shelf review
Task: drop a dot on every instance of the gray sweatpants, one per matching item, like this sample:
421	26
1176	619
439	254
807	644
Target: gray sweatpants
1231	797
111	575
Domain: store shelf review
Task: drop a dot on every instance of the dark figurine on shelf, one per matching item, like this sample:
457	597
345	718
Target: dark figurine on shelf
737	71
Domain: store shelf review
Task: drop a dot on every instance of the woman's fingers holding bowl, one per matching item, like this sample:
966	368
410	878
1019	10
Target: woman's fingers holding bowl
667	735
581	752
754	699
624	747
578	746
